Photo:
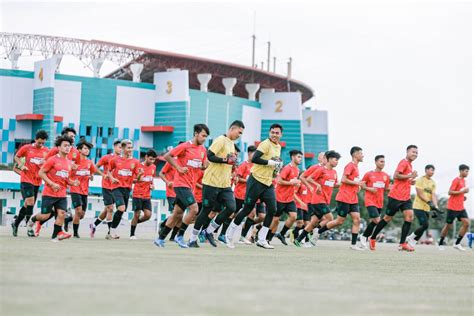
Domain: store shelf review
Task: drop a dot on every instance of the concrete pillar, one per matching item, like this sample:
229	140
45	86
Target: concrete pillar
267	90
204	81
229	84
252	89
96	65
136	70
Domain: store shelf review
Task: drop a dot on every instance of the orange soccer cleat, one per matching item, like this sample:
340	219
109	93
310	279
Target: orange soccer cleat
63	235
372	243
406	247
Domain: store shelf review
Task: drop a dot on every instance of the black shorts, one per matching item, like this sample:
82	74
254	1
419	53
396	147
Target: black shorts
303	215
345	208
373	211
28	190
121	196
108	197
50	202
318	210
139	204
394	206
171	201
256	190
452	215
423	216
220	197
79	200
184	197
287	208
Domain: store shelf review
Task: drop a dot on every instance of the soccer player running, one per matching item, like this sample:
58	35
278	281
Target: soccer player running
123	170
141	197
322	181
456	209
425	201
84	173
55	174
287	185
107	195
167	174
302	199
216	183
73	154
34	157
347	199
260	186
399	199
375	183
189	155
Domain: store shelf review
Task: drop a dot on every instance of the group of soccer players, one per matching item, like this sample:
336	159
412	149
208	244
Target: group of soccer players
208	188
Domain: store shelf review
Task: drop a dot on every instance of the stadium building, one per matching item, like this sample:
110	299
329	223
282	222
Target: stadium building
154	99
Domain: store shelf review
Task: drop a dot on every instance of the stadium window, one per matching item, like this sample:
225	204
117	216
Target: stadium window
88	130
110	132
99	131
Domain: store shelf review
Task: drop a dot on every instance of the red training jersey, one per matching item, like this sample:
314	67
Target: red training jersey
243	171
34	159
378	180
73	155
142	188
83	173
327	178
57	169
348	192
169	173
125	170
104	162
401	187
456	202
302	193
190	156
286	193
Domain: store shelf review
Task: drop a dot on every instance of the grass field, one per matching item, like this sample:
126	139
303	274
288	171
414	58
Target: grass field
123	277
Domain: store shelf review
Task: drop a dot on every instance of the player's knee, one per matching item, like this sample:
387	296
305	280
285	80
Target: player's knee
292	216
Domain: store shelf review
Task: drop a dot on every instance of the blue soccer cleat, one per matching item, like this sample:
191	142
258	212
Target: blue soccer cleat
159	242
181	242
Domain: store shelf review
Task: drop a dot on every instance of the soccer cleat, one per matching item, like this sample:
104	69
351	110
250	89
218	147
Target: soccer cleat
245	241
411	240
459	247
77	236
282	238
193	244
441	248
14	230
264	244
108	236
357	248
308	244
221	239
63	235
372	243
201	237
92	232
315	237
133	237
292	236
54	239
297	243
363	242
229	242
37	228
405	247
210	237
181	242
159	242
30	232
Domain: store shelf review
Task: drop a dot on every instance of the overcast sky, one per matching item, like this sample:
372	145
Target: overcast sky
390	73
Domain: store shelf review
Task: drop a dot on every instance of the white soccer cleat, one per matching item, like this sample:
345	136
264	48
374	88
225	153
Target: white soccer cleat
363	242
315	237
459	247
308	245
54	240
244	241
441	248
357	248
229	242
264	244
133	237
411	240
113	234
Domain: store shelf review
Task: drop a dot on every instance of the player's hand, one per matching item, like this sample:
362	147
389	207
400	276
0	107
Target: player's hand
24	168
318	188
114	180
182	170
231	159
73	166
91	178
295	182
170	184
140	171
414	174
55	187
373	190
465	190
74	183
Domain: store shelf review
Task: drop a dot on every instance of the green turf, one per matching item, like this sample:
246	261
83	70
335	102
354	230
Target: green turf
123	277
